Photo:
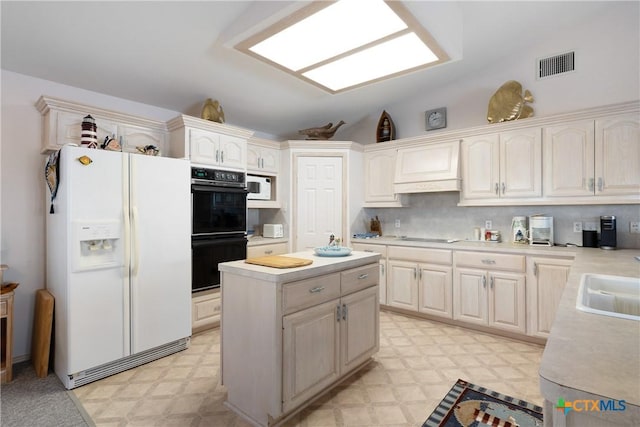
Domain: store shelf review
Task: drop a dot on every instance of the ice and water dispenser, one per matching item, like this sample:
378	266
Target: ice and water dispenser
99	245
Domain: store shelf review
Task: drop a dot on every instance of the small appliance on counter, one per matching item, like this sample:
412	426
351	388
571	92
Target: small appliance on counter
541	230
608	232
273	231
589	239
519	229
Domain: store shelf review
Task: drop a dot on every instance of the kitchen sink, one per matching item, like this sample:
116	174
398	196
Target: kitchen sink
427	239
614	296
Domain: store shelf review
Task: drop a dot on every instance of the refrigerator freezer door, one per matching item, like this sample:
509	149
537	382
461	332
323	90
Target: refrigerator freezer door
94	309
160	251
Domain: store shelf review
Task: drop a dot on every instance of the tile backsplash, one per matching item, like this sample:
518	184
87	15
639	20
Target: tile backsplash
437	215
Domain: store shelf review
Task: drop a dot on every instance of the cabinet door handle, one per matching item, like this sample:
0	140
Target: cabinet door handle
600	184
491	282
590	184
503	187
484	282
344	312
415	273
270	251
316	289
496	188
488	261
368	250
382	269
363	276
217	155
535	268
420	274
338	313
221	156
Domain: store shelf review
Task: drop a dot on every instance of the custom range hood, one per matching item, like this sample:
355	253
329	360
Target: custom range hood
428	168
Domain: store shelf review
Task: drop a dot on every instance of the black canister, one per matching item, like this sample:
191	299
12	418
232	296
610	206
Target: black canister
589	239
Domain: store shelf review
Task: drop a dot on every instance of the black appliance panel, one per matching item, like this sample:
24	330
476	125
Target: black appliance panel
207	253
218	210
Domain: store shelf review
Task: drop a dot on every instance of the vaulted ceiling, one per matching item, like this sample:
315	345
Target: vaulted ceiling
177	54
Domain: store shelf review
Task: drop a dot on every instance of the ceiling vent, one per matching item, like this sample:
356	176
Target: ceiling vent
554	65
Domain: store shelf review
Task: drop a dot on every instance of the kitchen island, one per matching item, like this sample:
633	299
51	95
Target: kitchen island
290	334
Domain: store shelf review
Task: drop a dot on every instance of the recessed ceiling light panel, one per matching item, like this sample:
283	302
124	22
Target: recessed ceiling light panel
347	43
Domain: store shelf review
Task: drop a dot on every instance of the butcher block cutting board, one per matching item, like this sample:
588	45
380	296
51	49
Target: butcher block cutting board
279	261
41	337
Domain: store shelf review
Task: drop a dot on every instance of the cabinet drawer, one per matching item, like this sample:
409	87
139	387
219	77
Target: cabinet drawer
490	261
3	308
431	256
359	278
367	247
310	292
264	250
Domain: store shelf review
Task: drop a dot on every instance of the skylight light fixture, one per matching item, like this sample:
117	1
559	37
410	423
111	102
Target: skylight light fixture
348	43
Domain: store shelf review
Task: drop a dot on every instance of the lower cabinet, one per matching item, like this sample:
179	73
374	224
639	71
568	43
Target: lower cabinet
205	310
546	278
382	250
419	279
266	250
285	342
492	297
323	342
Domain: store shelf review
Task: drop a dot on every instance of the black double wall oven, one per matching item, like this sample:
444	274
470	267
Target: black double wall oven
219	223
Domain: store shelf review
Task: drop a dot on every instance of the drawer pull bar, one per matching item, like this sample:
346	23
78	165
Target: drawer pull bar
488	261
368	250
363	276
316	289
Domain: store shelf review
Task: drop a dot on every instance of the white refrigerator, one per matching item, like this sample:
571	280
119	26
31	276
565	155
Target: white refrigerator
118	261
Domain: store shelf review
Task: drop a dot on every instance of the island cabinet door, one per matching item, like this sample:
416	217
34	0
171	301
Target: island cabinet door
310	355
359	328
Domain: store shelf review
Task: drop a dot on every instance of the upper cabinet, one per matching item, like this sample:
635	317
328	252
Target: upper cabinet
62	124
505	165
263	156
209	143
379	171
593	159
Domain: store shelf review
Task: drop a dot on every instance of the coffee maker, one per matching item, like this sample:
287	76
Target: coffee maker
608	232
541	230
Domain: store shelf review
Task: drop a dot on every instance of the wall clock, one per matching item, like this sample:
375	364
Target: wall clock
436	119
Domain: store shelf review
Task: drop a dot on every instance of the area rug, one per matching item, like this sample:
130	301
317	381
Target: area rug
471	405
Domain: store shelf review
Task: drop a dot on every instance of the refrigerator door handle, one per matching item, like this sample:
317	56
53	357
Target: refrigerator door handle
135	257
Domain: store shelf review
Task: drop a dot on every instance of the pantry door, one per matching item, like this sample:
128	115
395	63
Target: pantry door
319	204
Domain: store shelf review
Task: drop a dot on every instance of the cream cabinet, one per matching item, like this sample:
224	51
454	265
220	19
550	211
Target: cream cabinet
502	166
62	124
593	158
382	250
379	171
254	251
285	341
205	310
263	159
546	279
208	143
420	279
217	150
489	289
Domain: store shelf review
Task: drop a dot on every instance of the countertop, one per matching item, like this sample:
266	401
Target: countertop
320	265
585	353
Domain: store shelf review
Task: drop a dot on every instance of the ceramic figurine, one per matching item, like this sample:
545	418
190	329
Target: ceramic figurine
212	111
149	150
111	144
89	135
509	103
322	132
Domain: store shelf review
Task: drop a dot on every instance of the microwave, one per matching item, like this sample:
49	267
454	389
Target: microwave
259	187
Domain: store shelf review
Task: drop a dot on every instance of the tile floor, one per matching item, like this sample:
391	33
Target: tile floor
418	362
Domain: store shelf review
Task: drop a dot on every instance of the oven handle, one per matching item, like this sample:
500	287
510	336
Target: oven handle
219	241
217	189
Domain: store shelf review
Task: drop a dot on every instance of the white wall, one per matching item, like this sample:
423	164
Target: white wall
23	189
607	72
